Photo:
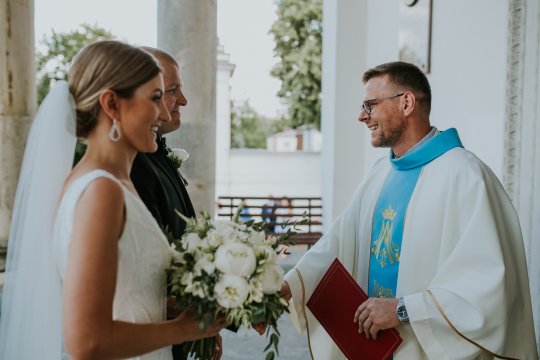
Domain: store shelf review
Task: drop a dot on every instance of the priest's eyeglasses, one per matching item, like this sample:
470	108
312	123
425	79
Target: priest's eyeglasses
367	105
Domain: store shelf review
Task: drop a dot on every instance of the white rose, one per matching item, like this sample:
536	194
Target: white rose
214	238
231	291
268	252
256	237
255	290
225	229
235	259
191	241
271	240
187	279
205	263
271	278
181	154
193	287
176	256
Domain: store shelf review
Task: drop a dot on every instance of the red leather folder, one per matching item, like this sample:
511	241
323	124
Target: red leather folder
334	303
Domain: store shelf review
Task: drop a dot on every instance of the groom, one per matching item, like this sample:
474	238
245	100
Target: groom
155	176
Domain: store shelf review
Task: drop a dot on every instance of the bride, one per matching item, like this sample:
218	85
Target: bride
86	265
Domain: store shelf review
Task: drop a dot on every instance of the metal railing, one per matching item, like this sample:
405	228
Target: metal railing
279	214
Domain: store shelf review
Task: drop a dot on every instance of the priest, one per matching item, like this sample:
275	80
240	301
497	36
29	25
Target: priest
430	235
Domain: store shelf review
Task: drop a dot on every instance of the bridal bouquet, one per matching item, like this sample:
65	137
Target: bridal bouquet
228	268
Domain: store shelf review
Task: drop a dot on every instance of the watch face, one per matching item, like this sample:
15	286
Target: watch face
402	312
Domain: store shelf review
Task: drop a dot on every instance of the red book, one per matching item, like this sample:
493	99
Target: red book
334	303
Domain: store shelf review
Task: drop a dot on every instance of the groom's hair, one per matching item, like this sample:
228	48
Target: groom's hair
104	65
160	55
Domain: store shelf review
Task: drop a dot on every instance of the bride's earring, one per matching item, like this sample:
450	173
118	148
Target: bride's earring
114	133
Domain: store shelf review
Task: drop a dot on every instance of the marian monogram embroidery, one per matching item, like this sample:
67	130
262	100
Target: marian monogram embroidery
384	248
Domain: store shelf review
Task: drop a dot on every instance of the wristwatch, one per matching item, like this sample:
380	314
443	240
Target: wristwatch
401	311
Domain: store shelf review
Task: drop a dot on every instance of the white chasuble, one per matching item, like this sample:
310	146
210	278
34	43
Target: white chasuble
462	270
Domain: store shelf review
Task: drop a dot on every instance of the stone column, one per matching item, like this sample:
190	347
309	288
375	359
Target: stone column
344	44
225	70
17	101
187	29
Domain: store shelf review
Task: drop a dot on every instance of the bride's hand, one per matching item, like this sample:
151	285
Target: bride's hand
172	310
188	327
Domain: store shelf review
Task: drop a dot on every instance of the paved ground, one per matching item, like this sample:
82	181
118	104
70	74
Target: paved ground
246	344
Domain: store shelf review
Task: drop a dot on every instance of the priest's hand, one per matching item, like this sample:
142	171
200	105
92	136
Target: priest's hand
260	328
376	314
285	291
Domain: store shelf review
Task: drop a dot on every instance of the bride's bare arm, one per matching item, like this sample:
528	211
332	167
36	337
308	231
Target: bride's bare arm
90	282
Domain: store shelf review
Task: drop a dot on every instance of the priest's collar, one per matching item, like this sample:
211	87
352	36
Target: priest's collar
431	134
428	149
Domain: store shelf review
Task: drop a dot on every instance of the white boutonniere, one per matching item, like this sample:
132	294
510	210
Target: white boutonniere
177	158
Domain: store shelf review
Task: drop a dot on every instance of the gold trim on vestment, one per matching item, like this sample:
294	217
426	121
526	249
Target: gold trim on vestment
304	311
460	334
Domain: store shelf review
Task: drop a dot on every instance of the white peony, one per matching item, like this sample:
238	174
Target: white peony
231	291
271	278
235	259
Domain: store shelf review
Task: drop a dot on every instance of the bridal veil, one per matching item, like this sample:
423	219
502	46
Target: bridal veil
31	315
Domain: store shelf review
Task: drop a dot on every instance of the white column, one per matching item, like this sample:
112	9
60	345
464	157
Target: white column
522	143
187	29
344	43
17	100
225	70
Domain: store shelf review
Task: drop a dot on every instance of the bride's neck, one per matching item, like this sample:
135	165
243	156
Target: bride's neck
113	157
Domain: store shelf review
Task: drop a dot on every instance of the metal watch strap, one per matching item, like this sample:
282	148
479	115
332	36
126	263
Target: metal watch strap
401	311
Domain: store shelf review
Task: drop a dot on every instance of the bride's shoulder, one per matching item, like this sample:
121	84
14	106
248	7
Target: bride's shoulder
98	194
95	183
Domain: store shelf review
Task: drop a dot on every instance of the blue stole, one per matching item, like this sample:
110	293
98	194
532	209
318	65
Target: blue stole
391	209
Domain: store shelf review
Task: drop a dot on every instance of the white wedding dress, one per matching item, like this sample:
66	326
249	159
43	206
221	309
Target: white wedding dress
144	254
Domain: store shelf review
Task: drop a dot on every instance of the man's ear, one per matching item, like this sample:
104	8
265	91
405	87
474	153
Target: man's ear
409	103
109	103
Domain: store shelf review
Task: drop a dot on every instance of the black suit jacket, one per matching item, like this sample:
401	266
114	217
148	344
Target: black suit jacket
162	190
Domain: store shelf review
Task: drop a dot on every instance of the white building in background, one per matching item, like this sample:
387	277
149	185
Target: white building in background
290	166
301	139
285	141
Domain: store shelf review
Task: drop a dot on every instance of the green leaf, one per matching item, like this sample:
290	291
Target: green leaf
53	63
298	44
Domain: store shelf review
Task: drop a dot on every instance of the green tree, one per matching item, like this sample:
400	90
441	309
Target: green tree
53	64
60	48
298	36
248	128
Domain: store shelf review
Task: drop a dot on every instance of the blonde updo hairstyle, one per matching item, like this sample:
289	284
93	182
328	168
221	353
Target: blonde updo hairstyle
104	65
